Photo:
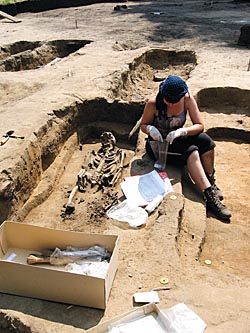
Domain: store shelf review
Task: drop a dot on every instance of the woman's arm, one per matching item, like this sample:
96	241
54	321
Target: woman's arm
194	113
148	114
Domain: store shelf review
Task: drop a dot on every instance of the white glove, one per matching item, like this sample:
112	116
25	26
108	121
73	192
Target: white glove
154	133
176	134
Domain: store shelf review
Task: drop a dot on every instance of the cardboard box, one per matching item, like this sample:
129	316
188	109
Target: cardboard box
18	240
148	317
151	319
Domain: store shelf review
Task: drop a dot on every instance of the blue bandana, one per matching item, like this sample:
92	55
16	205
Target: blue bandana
173	88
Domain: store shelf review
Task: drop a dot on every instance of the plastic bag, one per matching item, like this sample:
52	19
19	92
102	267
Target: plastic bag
181	319
95	269
125	212
72	254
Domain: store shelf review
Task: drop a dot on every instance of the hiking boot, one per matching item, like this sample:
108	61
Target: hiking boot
214	204
214	186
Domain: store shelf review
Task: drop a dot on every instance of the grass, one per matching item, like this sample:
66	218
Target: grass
9	2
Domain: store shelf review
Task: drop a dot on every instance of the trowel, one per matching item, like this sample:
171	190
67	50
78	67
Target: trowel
8	135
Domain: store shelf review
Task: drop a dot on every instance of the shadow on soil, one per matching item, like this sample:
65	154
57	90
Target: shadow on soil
211	18
77	316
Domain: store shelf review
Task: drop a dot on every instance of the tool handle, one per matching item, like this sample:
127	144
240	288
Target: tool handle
14	136
4	140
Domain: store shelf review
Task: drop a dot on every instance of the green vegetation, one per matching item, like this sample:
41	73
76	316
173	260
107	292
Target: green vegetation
9	2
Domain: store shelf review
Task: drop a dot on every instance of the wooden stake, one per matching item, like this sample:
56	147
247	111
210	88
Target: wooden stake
11	18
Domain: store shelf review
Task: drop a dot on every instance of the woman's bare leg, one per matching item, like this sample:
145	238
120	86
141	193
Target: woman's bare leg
207	161
196	171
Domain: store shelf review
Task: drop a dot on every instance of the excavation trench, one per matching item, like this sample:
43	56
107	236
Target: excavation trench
38	188
60	168
135	86
90	205
226	111
25	55
74	131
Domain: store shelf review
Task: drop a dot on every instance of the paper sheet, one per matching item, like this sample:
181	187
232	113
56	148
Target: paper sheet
147	297
140	190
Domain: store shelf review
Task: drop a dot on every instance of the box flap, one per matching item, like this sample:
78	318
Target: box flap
113	265
27	236
3	240
126	317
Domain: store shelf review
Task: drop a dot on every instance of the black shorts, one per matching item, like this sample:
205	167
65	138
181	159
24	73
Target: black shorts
182	147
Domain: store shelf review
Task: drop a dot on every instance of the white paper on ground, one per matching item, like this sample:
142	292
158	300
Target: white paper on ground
147	297
130	188
168	185
141	190
154	203
180	319
151	185
125	212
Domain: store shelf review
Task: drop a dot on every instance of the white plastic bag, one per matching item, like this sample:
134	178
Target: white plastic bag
180	319
95	269
126	212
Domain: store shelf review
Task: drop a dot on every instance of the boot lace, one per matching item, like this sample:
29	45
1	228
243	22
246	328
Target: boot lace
215	198
213	185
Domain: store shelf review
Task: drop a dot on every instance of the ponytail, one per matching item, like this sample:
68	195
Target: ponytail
160	105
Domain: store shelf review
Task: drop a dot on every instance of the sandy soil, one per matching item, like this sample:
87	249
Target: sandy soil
41	103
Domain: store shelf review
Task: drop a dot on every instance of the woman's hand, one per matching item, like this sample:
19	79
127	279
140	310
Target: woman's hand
176	134
154	133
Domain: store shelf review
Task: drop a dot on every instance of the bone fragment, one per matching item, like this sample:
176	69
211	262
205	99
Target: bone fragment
34	259
119	170
70	207
81	180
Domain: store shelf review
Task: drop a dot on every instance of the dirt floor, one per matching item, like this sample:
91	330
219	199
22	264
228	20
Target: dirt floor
62	107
